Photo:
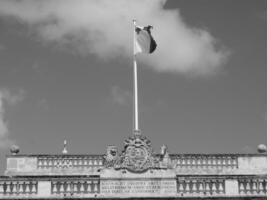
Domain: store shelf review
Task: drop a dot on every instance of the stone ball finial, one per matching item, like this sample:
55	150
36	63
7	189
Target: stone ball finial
14	149
262	148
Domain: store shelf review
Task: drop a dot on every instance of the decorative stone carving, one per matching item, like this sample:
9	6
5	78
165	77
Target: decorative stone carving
165	157
137	155
163	149
112	156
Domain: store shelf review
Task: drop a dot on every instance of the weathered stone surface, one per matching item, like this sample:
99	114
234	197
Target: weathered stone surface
138	188
135	172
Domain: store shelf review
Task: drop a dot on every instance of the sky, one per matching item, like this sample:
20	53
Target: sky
66	73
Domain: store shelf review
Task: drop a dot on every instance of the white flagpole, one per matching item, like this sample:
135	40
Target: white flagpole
135	98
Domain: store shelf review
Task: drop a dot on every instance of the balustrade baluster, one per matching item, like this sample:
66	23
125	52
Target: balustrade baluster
207	187
93	187
194	186
7	187
82	189
11	185
223	162
65	186
241	187
218	162
34	187
85	162
200	187
30	186
80	163
221	187
101	162
212	164
228	161
58	185
1	188
213	188
209	162
260	186
90	162
52	187
27	188
178	186
199	162
75	162
85	186
187	186
254	187
75	188
96	186
90	186
193	162
182	162
69	187
234	162
247	187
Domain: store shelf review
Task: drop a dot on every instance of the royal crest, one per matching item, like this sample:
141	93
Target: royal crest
137	155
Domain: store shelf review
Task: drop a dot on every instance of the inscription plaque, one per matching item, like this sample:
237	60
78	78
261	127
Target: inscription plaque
138	187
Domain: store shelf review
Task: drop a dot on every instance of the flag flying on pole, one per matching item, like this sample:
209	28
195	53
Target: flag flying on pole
144	42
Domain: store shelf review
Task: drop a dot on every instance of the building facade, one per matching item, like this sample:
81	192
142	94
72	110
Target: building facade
135	172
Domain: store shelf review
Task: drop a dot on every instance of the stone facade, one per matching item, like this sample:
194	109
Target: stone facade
135	172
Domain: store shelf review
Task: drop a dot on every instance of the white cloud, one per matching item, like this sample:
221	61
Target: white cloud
104	28
11	99
121	96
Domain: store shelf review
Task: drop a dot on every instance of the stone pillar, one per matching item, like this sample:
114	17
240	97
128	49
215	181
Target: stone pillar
231	187
44	189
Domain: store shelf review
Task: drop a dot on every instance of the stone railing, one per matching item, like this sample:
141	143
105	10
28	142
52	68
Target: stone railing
18	187
61	187
252	186
71	187
205	161
200	186
68	161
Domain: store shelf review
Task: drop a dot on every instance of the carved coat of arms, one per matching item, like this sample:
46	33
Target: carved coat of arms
137	155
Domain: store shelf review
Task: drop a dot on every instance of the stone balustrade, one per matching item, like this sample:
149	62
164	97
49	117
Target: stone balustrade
18	187
252	186
92	186
68	161
75	187
181	163
206	161
200	187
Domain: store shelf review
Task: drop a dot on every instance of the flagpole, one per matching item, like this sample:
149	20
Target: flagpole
135	97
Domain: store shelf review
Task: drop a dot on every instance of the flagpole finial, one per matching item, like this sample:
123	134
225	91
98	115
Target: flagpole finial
137	132
134	21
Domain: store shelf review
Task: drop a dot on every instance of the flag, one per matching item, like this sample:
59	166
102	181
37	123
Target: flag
144	42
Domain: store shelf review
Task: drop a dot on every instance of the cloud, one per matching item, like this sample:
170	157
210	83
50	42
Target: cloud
11	99
121	96
104	28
